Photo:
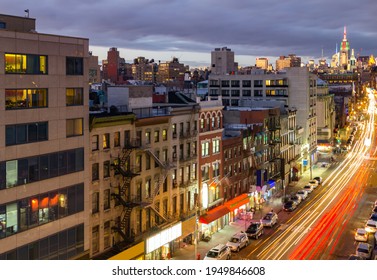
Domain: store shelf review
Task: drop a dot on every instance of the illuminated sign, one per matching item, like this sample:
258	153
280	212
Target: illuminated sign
163	237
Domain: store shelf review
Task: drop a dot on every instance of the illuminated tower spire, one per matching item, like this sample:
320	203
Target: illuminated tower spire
345	34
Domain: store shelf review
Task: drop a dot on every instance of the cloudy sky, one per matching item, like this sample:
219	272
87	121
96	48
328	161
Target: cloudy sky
191	29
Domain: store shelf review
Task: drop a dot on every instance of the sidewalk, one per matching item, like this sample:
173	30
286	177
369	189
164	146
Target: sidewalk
223	235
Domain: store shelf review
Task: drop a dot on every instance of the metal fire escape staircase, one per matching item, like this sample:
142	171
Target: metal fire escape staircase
159	179
123	196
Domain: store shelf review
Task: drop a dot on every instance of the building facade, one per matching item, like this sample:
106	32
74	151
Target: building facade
43	143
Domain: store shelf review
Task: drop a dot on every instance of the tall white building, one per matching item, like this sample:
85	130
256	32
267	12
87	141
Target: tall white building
295	87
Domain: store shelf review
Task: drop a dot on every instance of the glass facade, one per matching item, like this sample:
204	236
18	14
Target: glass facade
63	245
27	170
42	208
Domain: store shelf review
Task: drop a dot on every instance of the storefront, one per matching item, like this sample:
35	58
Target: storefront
214	220
160	245
238	206
134	253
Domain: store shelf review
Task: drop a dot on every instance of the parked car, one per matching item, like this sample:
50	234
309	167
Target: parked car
361	235
219	252
303	194
296	198
308	188
270	219
313	183
238	241
318	179
364	250
289	206
373	217
255	230
371	226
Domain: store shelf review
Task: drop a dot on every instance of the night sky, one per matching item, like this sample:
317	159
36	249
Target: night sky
191	29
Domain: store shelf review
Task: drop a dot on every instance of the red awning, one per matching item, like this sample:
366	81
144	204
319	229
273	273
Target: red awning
213	214
237	202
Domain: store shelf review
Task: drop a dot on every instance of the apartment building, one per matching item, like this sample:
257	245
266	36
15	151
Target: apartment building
43	150
144	175
325	120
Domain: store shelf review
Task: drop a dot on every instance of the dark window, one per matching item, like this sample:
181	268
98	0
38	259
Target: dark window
26	133
74	66
22	171
3	25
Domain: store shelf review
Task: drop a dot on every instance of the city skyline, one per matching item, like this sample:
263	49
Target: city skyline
165	29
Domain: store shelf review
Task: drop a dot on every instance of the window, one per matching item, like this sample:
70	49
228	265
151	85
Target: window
106	141
25	98
116	139
216	169
156	136
25	64
205	173
24	170
74	66
106	234
26	133
164	134
205	149
106	169
174	130
3	25
194	171
95	171
148	188
74	96
106	199
216	146
201	124
138	163
94	142
95	239
147	162
74	127
95	202
147	137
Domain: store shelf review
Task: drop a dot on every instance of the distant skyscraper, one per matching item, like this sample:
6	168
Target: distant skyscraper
344	50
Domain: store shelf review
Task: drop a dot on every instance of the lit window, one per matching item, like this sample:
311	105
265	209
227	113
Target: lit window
74	127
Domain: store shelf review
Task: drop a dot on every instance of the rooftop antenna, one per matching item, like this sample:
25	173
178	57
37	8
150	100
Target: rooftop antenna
27	13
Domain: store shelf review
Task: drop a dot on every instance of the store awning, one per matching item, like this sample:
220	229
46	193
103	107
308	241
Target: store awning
213	214
237	202
271	183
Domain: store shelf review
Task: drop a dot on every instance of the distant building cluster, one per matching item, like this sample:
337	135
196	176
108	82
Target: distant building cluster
130	160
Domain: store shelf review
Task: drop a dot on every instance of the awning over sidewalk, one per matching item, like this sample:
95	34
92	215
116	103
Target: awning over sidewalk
237	201
213	214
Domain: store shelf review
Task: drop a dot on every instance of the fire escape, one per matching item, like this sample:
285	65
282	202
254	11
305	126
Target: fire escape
122	166
159	180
